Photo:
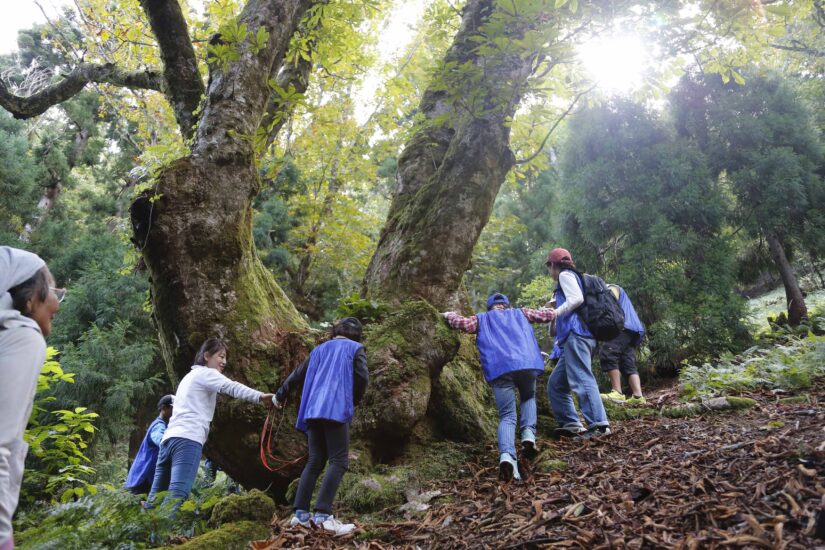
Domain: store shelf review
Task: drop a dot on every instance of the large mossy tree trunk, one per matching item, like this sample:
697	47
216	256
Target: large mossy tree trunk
448	177
797	309
194	229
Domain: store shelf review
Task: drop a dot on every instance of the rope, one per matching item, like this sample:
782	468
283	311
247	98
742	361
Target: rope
266	444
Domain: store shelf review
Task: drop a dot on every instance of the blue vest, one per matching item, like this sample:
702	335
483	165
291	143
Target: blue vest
328	384
143	468
570	323
506	343
632	322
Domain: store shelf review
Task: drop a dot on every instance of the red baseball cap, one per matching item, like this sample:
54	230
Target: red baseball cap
558	255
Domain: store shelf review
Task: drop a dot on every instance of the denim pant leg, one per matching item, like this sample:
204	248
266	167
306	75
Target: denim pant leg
337	440
558	393
186	456
577	354
525	381
163	471
504	392
317	447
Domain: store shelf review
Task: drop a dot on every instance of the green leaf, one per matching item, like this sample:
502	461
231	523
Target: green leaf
780	10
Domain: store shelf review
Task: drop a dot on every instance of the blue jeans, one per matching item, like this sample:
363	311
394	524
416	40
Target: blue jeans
504	390
573	373
175	471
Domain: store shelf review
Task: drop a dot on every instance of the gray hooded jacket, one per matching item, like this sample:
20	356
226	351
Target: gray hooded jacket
22	353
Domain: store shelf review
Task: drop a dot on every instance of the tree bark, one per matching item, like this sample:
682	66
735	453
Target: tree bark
194	230
184	85
30	106
449	174
793	294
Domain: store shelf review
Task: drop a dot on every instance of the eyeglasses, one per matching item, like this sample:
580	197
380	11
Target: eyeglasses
59	293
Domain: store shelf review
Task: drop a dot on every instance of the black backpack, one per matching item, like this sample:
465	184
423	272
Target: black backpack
600	312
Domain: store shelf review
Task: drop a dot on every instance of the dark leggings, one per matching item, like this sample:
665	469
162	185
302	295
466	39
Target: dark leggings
327	440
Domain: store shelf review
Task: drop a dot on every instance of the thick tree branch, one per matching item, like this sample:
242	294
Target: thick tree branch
73	83
184	85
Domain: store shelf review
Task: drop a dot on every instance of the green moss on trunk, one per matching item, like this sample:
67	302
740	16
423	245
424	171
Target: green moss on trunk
405	351
462	403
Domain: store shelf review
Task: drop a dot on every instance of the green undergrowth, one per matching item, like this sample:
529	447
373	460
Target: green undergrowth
790	366
114	519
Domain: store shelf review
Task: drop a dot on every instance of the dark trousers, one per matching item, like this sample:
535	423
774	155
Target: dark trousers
619	353
327	440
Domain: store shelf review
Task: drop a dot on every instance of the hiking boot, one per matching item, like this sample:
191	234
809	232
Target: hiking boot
328	523
508	468
614	396
595	431
568	431
301	518
528	444
636	400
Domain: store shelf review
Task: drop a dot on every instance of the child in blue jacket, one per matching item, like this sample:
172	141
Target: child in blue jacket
334	379
142	473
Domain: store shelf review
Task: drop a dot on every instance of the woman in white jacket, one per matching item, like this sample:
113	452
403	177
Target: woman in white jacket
28	302
195	399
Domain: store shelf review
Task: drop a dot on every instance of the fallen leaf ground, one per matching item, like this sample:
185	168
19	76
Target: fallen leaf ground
743	479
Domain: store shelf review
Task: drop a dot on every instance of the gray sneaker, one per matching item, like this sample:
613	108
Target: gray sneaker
568	431
528	444
596	431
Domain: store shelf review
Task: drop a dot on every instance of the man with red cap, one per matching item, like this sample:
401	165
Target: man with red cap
573	373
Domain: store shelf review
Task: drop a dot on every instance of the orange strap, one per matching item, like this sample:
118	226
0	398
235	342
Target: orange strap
266	445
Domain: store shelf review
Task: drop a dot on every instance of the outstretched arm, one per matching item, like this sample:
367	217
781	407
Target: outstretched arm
216	381
464	324
543	315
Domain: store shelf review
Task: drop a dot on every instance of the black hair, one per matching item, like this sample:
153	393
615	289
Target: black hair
349	327
36	286
210	346
564	264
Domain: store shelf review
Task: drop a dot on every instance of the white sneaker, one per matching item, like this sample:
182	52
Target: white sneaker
301	519
332	525
508	468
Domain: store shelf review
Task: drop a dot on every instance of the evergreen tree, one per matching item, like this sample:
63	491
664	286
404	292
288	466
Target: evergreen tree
644	211
761	142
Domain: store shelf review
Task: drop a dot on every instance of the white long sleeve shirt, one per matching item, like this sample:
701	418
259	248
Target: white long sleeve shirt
195	402
573	296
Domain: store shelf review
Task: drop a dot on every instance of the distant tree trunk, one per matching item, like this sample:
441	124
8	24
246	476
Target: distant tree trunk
449	175
793	294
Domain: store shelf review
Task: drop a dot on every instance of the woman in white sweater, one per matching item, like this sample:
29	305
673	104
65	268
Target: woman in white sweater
28	302
195	399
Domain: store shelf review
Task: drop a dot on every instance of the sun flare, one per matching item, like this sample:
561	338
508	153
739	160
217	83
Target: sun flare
616	62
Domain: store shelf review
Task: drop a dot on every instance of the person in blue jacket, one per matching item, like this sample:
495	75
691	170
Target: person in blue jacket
573	373
334	379
142	472
618	356
511	361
